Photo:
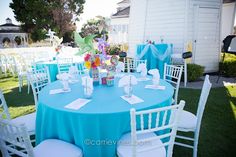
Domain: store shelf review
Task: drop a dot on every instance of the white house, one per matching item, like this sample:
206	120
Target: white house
227	18
119	23
179	22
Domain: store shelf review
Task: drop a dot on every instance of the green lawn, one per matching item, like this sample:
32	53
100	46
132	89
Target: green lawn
218	131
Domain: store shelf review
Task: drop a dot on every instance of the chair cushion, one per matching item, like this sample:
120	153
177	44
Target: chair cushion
56	148
187	121
29	120
124	148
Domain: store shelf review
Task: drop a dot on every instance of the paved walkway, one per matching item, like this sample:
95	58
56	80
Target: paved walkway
223	81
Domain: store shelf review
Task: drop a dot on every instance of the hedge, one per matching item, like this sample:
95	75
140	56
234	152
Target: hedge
194	71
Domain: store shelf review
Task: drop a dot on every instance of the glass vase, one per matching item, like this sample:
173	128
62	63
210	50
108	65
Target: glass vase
94	73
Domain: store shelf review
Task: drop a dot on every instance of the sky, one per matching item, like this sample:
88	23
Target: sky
92	8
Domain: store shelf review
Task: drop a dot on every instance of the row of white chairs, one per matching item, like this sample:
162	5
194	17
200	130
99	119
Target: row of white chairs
143	140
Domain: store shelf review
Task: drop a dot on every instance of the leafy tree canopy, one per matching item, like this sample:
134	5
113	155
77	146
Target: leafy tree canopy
37	16
98	27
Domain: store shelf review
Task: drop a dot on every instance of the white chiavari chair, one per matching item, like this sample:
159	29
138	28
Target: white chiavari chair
142	141
38	78
15	141
172	74
131	64
192	123
64	64
81	68
28	120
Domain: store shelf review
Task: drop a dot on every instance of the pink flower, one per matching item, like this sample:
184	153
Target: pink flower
87	57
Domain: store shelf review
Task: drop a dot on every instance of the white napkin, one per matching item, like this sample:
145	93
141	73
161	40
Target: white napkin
132	100
120	67
127	80
142	69
57	91
87	82
155	76
77	104
155	87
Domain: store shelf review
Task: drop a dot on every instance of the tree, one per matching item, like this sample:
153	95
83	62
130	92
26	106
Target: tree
37	16
97	26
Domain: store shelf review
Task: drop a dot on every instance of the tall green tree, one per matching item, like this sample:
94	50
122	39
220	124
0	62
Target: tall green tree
37	16
97	26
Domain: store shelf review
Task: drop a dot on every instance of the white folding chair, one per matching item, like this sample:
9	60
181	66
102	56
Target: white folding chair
64	64
38	78
11	64
3	64
172	74
142	141
192	123
132	64
21	70
15	141
28	120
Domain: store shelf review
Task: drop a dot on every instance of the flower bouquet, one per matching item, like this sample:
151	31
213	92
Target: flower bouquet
92	62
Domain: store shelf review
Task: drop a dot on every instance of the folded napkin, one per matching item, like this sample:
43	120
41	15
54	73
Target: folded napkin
87	82
142	69
77	104
120	67
57	91
155	87
132	100
155	76
127	80
155	73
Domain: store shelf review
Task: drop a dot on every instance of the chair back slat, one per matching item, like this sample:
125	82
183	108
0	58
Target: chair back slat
132	63
39	78
81	68
172	74
64	64
14	139
155	120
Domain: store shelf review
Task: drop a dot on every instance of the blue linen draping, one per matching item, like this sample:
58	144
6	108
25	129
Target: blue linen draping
97	126
155	54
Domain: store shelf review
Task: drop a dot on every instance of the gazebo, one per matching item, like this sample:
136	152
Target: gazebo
12	36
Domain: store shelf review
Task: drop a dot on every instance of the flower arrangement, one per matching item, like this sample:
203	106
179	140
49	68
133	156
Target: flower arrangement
58	49
92	61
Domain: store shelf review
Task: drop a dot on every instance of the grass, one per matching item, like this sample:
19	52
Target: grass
217	136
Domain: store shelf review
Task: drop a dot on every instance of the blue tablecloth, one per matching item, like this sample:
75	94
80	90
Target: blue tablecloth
98	125
52	67
152	61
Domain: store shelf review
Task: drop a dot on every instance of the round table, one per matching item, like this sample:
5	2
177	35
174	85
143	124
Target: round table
97	126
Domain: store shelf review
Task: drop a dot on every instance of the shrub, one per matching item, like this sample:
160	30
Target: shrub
194	71
113	50
228	68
